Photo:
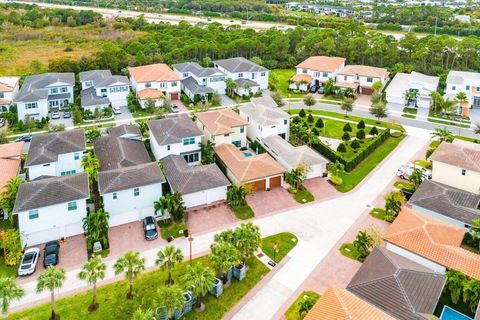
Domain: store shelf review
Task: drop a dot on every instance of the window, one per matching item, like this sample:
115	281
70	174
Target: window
63	89
263	74
369	79
168	148
148	84
240	75
217	79
136	192
192	157
478	89
185	74
76	156
237	143
253	75
103	92
88	84
454	88
2	95
33	214
114	196
325	74
46	165
32	105
163	85
53	90
467	87
242	129
345	78
304	71
174	83
316	74
72	206
464	172
285	121
67	173
188	141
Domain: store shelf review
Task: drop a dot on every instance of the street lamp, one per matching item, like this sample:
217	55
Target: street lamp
190	240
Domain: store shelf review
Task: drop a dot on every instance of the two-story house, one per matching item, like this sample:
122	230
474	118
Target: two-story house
128	181
223	126
101	89
200	83
265	119
56	154
362	77
468	83
155	82
10	162
8	91
42	92
176	135
316	71
249	77
412	89
51	208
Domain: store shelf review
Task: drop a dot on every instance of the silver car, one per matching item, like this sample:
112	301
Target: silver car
29	262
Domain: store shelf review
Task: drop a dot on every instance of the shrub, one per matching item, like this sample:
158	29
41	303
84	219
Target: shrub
310	118
336	180
295	120
341	148
396	134
361	125
315	131
346	136
373	131
355	144
319	124
361	134
302	113
347	128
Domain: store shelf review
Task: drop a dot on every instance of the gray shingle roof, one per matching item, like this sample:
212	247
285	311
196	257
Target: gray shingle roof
33	87
242	83
239	64
194	87
189	179
53	190
129	177
197	70
448	201
402	288
102	78
264	110
45	148
173	129
89	98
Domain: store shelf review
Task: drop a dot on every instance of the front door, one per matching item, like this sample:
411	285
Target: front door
476	102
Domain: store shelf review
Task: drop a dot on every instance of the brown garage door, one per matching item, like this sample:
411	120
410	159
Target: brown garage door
367	90
174	96
275	182
258	185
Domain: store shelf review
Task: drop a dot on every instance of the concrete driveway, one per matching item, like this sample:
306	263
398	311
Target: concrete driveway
126	114
363	101
68	122
395	107
475	116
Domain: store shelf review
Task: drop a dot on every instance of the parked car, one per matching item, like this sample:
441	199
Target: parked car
55	114
209	19
150	228
116	110
404	172
67	114
313	89
50	253
2	122
320	90
425	171
29	262
175	108
24	138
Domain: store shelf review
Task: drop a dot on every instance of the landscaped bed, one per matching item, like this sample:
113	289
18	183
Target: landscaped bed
284	242
174	229
404	185
349	251
293	312
244	212
303	196
409	112
378	213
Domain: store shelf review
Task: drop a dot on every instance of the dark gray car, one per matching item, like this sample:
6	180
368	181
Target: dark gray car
150	228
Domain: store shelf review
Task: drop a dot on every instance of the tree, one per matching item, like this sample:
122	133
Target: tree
3	137
378	110
393	204
132	265
471	293
277	97
302	113
9	290
448	105
454	284
171	204
436	99
92	133
96	226
309	101
362	243
9	195
341	148
12	247
306	305
347	127
224	256
360	134
231	86
461	98
200	279
51	279
296	176
140	314
92	271
377	86
355	144
328	88
416	177
347	105
208	152
475	229
91	165
477	128
170	299
373	131
346	136
361	125
310	118
248	240
335	168
443	134
236	195
168	259
319	124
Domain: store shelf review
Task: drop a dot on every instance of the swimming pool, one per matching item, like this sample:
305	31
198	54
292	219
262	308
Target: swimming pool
450	314
247	154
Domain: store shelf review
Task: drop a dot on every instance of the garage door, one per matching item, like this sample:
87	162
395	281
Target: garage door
275	182
258	185
174	96
42	236
122	218
367	90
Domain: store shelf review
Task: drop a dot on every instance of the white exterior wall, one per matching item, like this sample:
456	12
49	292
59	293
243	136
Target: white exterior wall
170	86
255	76
11	95
395	95
205	197
439	216
221	138
257	131
245	92
66	162
362	80
53	222
92	108
319	75
218	86
117	99
37	113
418	259
127	208
161	152
452	176
298	86
46	169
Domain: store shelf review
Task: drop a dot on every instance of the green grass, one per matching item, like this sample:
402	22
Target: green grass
168	228
448	123
279	78
351	179
468	139
7	271
410	116
409	112
460	306
244	212
348	250
434	144
303	196
293	312
378	213
285	241
423	163
114	305
404	185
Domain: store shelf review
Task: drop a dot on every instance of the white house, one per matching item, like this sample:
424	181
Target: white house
199	185
419	85
39	93
362	76
156	82
51	208
223	126
249	77
56	154
198	82
176	135
8	91
316	71
100	89
467	82
265	119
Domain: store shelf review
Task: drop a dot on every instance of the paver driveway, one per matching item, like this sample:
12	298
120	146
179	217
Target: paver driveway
321	189
265	202
209	219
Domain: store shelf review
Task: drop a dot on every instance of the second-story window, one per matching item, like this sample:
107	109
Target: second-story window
53	90
242	129
464	172
174	83
148	84
136	192
114	196
325	74
240	75
467	87
263	74
369	79
76	156
63	89
188	141
454	88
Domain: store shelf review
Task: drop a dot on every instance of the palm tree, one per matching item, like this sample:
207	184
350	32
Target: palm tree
362	243
95	224
461	98
224	256
231	85
347	105
393	204
9	290
200	279
236	195
91	165
132	265
416	177
436	99
377	86
161	205
140	314
167	259
92	271
448	105
471	293
172	204
170	299
51	279
296	176
454	284
9	195
443	134
477	128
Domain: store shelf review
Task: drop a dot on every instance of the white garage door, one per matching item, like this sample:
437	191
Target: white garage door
316	171
122	218
41	236
393	98
205	197
119	103
73	229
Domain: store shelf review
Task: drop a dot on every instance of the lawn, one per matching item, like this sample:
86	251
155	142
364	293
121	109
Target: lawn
303	196
460	306
293	312
114	305
6	271
378	213
279	78
168	228
244	212
348	250
409	113
468	139
285	242
423	163
404	185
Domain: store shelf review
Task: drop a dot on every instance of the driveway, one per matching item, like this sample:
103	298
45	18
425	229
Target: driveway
66	122
226	100
321	189
180	104
203	220
395	107
126	114
265	202
475	116
363	101
423	112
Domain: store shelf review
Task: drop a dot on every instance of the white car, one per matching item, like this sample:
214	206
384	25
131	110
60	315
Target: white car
175	108
55	114
117	110
29	262
404	172
426	172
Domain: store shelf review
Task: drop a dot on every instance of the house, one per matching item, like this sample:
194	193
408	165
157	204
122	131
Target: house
8	91
431	243
468	83
336	303
265	119
56	154
361	76
51	208
223	126
412	89
398	286
41	92
176	135
457	165
260	171
291	157
199	83
155	82
199	185
128	181
448	204
316	71
102	89
10	162
249	77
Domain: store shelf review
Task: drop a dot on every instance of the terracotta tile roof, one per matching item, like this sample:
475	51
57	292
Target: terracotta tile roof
338	304
322	63
366	71
220	121
153	72
149	93
247	168
301	77
4	102
11	150
434	240
10	169
5	88
458	156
